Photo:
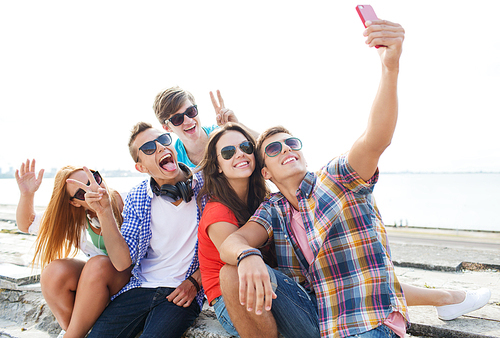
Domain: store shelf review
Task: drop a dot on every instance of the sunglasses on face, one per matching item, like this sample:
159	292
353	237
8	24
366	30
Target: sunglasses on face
178	119
149	147
80	193
228	152
274	148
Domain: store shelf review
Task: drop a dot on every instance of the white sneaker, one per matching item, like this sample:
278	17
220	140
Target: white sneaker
61	334
473	300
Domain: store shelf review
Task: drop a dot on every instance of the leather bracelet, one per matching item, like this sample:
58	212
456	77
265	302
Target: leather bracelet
248	252
195	283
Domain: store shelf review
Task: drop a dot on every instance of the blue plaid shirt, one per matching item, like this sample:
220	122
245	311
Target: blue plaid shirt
136	230
352	272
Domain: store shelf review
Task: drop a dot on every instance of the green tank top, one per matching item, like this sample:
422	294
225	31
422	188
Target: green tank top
97	240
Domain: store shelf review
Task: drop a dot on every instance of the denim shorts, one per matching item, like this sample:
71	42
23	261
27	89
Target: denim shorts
295	310
380	332
223	316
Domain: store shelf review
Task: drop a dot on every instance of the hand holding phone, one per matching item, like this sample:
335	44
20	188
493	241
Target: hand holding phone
366	13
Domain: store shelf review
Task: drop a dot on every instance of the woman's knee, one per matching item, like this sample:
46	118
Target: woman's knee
61	273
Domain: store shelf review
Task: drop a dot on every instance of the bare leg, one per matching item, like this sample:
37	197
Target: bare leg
99	280
432	297
248	324
59	281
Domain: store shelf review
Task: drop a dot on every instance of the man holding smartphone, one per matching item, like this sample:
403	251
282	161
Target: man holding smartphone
327	230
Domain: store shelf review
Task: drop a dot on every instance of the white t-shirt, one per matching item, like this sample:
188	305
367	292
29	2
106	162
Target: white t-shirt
172	246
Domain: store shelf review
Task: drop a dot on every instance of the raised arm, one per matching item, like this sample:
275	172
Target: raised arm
366	151
224	115
98	199
28	184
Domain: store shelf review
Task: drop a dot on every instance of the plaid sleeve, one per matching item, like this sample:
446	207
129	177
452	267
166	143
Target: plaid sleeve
263	216
132	221
341	171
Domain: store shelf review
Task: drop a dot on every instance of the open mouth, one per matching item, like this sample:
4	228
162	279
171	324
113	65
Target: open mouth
167	163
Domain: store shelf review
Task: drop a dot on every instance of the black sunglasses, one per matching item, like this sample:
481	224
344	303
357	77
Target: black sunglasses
178	119
80	193
149	147
274	148
228	152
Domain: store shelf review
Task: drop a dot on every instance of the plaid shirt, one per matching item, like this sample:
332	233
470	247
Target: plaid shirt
352	273
136	230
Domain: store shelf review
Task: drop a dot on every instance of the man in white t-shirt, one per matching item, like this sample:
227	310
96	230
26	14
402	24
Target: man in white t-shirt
159	237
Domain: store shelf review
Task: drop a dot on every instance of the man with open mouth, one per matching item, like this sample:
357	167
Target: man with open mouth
158	238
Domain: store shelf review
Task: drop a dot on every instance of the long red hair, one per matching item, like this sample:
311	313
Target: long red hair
62	224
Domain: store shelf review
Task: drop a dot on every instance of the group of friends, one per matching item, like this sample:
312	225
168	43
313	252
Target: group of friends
310	260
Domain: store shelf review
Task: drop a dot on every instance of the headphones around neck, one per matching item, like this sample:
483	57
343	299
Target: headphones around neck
181	189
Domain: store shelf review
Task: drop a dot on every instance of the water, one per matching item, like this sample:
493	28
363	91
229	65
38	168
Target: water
452	201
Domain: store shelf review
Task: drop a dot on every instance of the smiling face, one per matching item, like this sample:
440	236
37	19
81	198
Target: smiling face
162	164
190	130
287	164
241	165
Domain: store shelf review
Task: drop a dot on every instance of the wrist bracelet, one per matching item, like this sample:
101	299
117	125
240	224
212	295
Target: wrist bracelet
195	283
248	252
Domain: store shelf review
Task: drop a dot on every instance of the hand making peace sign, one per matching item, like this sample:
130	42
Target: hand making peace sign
223	114
97	197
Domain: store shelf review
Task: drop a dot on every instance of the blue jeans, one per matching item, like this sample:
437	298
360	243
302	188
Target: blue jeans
223	317
380	332
295	310
147	310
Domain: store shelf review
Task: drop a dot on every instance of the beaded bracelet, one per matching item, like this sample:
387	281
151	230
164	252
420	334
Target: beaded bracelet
248	252
195	283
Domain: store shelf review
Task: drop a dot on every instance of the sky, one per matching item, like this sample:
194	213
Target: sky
76	76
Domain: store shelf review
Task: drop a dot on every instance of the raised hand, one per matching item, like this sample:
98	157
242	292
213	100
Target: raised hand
390	37
222	114
97	197
26	178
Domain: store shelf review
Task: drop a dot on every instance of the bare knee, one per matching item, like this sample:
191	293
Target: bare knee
61	274
99	267
228	279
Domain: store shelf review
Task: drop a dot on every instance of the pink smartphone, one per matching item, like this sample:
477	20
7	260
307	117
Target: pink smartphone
366	13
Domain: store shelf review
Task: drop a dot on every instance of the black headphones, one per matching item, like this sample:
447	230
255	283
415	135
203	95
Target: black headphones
181	189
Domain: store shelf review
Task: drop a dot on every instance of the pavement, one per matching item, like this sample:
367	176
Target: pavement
431	258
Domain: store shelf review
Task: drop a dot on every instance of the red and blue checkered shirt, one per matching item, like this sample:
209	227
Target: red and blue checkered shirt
352	273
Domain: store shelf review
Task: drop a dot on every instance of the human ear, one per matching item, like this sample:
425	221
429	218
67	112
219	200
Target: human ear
166	127
141	168
265	173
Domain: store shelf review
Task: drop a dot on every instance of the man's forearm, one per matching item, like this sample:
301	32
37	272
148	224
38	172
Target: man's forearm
116	246
232	247
384	113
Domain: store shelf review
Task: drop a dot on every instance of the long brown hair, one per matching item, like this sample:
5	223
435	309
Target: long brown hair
62	223
217	187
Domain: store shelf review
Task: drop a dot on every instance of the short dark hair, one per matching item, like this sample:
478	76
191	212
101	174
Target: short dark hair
169	101
136	130
264	136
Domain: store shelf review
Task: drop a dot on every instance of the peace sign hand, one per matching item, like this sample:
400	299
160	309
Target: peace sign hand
223	114
97	197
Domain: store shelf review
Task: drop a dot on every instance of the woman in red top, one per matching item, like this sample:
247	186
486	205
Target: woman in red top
235	190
